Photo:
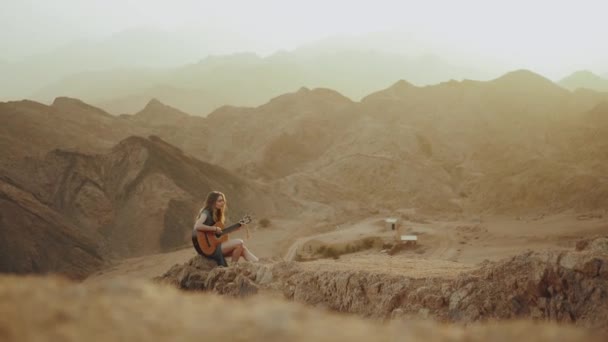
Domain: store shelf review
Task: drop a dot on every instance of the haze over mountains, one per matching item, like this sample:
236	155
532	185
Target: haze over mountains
141	48
197	71
123	72
248	80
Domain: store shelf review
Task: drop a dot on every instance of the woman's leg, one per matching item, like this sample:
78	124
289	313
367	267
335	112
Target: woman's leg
230	246
236	253
248	255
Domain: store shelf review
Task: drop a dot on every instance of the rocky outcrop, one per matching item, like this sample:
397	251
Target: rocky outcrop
564	287
567	287
203	275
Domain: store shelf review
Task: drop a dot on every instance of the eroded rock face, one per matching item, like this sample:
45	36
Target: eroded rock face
567	287
121	310
36	239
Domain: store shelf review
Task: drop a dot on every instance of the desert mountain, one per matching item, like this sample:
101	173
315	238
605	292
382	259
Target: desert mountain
585	79
30	128
157	113
33	129
141	197
454	146
34	238
450	146
280	135
176	127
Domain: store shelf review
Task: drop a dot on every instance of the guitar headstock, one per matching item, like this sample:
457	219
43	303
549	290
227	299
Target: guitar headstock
245	220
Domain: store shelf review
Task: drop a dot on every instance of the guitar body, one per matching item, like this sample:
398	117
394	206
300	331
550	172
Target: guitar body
208	241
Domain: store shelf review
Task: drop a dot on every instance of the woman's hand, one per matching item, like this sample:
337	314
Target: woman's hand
218	230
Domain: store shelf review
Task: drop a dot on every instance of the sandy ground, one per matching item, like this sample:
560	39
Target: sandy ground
446	248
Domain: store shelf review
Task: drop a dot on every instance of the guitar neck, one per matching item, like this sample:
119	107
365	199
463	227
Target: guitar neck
231	228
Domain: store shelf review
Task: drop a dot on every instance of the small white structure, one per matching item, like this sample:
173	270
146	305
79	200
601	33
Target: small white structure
409	239
392	223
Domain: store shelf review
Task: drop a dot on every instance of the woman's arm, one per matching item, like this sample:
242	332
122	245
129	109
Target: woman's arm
201	227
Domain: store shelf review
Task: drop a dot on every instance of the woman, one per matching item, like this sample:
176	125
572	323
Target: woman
214	211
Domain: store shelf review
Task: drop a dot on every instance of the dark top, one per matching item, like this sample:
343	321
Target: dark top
209	220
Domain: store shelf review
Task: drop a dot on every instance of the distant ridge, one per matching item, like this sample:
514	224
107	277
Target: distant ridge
586	80
515	82
159	113
71	105
526	81
306	95
245	79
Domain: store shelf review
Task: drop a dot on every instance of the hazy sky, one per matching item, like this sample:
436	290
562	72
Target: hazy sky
550	36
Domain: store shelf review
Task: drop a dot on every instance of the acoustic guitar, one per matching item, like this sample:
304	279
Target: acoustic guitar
208	241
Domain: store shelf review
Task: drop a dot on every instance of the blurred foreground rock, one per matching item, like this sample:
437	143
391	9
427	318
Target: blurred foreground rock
56	309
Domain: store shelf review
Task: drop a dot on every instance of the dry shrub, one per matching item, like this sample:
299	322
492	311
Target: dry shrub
264	223
356	246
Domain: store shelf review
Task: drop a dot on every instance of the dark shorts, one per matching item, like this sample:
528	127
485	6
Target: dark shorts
217	255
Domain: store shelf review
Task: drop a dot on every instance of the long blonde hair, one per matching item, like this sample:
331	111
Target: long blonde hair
219	215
